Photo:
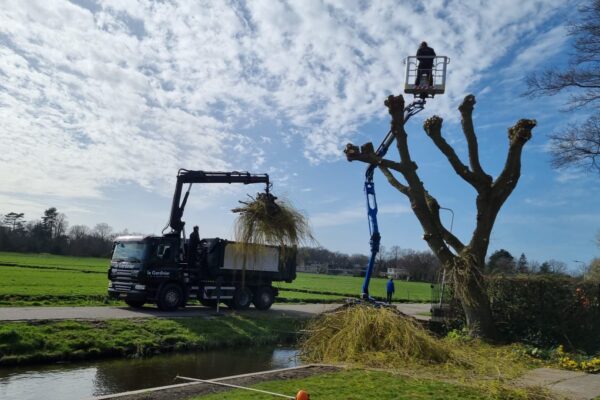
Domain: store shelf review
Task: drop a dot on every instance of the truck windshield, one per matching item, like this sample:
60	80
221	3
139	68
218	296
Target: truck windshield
130	251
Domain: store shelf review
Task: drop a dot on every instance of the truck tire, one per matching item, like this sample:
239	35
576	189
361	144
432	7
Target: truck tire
135	303
242	298
263	298
170	297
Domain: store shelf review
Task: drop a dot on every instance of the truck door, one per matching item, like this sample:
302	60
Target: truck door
163	262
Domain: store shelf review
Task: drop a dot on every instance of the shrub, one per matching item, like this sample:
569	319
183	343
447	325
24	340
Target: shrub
547	310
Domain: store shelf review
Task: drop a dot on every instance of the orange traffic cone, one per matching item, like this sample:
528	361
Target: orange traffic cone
302	395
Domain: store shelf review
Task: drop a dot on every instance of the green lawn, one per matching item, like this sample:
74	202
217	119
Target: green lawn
351	286
51	261
49	282
294	297
357	385
46	279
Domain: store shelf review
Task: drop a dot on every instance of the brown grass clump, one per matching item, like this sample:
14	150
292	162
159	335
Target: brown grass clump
377	337
266	220
366	336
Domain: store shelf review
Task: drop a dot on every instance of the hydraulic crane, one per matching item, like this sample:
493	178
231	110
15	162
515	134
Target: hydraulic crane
185	176
437	86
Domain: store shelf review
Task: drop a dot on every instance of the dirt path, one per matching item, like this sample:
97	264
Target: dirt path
95	313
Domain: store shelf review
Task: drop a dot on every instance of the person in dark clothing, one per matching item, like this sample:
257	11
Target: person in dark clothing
425	56
193	246
390	290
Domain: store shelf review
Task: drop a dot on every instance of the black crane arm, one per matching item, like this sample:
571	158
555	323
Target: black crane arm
190	177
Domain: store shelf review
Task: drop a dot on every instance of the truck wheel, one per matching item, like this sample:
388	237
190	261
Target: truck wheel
263	298
242	298
170	297
135	303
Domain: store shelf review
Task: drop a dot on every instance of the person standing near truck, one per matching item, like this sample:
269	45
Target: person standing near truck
193	246
390	290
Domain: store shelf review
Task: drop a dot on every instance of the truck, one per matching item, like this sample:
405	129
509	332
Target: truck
161	270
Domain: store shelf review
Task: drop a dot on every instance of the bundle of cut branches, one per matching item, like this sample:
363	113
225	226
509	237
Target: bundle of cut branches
266	220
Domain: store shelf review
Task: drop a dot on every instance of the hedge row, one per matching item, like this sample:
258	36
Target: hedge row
545	310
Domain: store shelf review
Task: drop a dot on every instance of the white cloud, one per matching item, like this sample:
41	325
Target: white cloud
128	92
569	175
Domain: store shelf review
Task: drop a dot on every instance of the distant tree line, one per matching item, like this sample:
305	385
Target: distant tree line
51	234
417	265
423	266
502	262
326	261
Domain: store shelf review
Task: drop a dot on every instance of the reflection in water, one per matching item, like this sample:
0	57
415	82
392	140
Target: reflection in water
83	380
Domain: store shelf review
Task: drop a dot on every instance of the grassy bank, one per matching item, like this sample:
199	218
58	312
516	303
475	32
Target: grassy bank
367	385
49	341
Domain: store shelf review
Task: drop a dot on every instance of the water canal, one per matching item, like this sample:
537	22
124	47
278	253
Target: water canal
84	380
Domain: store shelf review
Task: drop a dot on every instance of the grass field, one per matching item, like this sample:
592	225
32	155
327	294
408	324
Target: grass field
44	279
51	261
351	286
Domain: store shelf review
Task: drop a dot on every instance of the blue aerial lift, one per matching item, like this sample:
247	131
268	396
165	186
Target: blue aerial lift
437	79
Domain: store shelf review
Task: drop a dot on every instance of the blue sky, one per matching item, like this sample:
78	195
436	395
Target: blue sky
102	101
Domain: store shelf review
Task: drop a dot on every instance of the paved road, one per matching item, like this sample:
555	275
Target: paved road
56	313
572	385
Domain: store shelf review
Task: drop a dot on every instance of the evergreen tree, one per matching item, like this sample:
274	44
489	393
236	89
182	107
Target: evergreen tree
522	264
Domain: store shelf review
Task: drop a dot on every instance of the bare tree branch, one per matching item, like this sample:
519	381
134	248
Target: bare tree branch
433	128
366	154
448	236
395	182
578	145
466	112
518	135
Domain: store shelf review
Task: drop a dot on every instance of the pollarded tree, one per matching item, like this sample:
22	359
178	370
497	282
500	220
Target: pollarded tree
463	262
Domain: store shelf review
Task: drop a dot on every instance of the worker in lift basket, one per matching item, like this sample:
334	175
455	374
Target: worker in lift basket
193	246
425	55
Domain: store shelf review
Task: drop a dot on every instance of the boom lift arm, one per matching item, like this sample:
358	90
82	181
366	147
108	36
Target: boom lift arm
412	109
190	177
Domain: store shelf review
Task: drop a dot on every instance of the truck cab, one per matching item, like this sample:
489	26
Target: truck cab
141	267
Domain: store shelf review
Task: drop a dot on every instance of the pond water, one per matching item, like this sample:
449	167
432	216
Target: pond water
85	380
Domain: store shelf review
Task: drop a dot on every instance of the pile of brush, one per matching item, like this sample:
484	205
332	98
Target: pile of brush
266	220
376	337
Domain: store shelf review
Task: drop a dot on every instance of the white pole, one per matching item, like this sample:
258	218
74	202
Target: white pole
235	387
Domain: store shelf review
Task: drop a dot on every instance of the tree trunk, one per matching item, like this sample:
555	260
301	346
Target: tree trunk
473	295
477	310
